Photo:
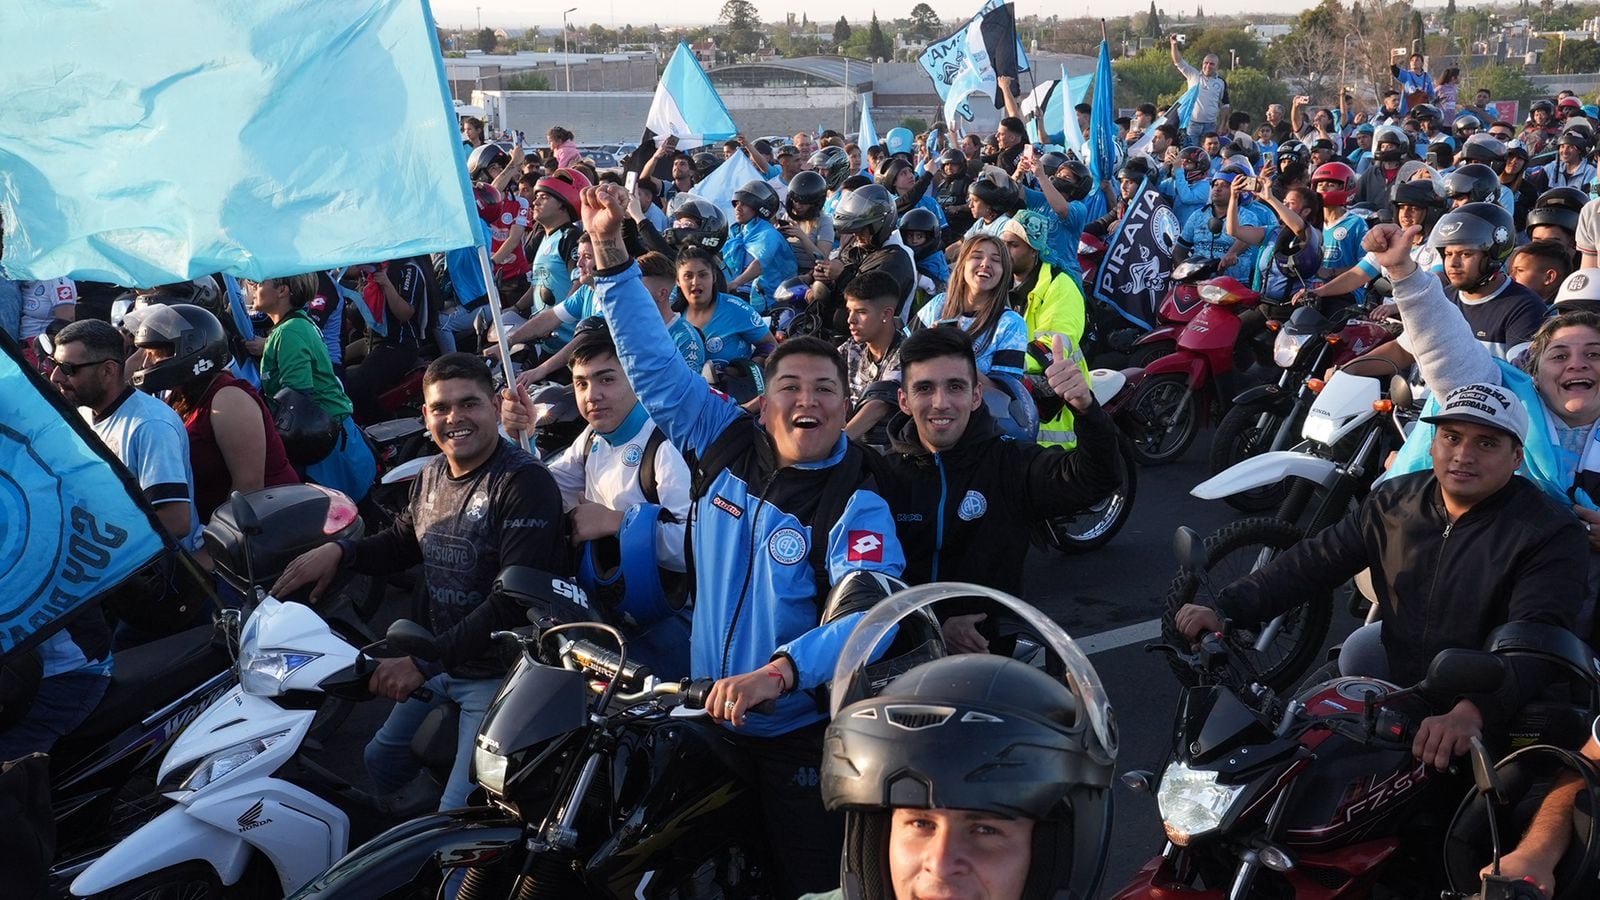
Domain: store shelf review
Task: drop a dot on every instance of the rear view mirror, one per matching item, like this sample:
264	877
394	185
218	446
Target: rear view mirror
1400	392
1190	549
1455	672
412	639
244	515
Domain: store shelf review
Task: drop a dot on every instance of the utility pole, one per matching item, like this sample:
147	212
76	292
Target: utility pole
480	18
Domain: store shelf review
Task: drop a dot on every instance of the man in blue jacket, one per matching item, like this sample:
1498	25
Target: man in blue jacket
782	507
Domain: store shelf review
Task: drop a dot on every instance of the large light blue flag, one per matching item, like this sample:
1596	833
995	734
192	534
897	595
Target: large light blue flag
734	173
1077	87
1105	141
1185	106
148	143
70	528
686	106
869	129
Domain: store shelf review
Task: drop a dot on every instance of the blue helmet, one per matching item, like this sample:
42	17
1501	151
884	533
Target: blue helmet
900	140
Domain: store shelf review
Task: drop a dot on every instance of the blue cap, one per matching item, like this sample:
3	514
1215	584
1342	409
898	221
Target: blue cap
1365	128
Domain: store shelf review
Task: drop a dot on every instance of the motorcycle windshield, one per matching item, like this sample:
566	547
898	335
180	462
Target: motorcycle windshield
1213	721
73	524
536	703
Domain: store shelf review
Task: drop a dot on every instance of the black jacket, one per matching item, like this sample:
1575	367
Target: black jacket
965	514
1515	556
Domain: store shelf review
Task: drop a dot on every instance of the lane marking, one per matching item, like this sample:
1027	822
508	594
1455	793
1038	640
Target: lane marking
1120	637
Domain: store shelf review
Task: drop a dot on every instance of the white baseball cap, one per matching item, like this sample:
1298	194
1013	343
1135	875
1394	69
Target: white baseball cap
1485	404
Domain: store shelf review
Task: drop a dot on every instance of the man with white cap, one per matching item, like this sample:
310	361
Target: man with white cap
1455	552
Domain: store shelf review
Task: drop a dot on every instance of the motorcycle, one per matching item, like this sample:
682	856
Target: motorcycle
239	782
1316	796
1181	304
1348	433
1267	417
593	771
1188	383
101	788
1096	526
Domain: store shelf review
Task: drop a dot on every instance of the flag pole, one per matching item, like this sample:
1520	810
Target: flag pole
526	440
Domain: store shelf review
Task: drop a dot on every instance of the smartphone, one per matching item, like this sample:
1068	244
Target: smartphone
631	182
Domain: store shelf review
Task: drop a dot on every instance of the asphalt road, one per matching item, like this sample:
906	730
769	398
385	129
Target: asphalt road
1108	600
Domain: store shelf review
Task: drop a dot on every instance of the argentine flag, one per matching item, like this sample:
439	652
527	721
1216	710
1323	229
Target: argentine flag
869	129
686	106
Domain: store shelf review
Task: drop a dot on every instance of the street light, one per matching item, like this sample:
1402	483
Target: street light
1234	61
566	49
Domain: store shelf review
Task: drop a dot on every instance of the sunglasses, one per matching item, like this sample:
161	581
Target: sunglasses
72	369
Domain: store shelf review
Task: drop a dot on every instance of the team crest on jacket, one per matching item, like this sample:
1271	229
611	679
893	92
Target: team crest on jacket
631	454
973	506
787	546
713	344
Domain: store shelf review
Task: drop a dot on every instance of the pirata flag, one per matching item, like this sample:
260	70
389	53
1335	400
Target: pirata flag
189	137
71	526
1138	261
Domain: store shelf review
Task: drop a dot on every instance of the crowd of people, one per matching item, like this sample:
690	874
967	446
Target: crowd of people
935	273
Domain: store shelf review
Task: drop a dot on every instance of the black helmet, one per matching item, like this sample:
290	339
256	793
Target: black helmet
1440	154
1421	192
1559	207
1546	105
920	220
1464	121
930	738
741	379
1486	149
485	156
1081	183
1517	149
1426	111
833	164
994	187
1136	168
889	170
953	157
1476	226
868	209
198	344
759	196
806	187
705	162
695	221
1475	181
1050	162
1575	138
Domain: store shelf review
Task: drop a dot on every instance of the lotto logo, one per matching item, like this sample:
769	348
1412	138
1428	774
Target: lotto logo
865	546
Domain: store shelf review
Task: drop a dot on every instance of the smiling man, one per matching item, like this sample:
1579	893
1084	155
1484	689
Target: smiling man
481	505
783	508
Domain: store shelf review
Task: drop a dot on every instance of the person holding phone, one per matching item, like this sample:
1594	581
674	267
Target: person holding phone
1211	100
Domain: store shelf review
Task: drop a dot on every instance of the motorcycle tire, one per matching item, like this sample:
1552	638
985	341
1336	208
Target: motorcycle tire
1247	431
1143	356
1233	551
1096	526
193	880
1162	419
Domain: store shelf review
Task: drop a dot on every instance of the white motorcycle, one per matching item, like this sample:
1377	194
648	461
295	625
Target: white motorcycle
241	787
1348	434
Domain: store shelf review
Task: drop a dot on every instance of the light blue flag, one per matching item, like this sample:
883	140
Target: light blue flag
1185	106
869	129
734	173
1077	88
686	106
70	526
189	137
1105	142
943	59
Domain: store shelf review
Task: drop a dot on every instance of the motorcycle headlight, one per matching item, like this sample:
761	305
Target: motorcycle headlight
1192	803
262	672
489	770
1319	428
1286	348
226	760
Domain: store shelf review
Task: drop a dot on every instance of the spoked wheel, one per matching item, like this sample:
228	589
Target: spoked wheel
1247	431
1278	653
1149	353
187	881
1162	419
1097	525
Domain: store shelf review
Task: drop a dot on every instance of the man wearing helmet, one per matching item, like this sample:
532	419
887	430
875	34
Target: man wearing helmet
1342	230
951	192
1571	167
1472	183
805	226
1416	202
756	253
555	263
1188	187
762	486
1541	127
865	221
1557	216
1391	149
924	817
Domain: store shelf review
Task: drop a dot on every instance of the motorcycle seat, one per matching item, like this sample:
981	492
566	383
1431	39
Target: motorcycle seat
145	679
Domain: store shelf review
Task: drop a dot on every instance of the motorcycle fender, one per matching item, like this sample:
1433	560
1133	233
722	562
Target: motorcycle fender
1192	366
301	833
1266	469
172	838
1155	881
1158	334
391	861
1269	397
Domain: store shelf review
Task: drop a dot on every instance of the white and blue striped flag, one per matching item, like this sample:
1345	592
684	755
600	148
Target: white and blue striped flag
686	106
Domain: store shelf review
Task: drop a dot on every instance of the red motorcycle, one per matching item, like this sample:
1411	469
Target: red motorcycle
1179	388
1308	797
1181	304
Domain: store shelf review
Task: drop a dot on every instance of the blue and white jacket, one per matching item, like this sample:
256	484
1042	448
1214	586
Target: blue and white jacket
755	594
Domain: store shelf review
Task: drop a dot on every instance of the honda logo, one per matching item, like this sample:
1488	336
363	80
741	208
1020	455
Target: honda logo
252	818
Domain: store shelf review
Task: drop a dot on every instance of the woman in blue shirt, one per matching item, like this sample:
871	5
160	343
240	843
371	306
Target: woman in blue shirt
732	329
976	302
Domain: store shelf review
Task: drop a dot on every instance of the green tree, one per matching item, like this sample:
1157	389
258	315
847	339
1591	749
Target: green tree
1419	34
1153	24
841	32
1222	40
526	81
1450	9
1502	82
914	124
925	22
743	24
484	40
1146	77
1576	56
878	44
1251	90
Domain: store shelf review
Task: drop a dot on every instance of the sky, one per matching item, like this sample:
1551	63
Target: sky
616	13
